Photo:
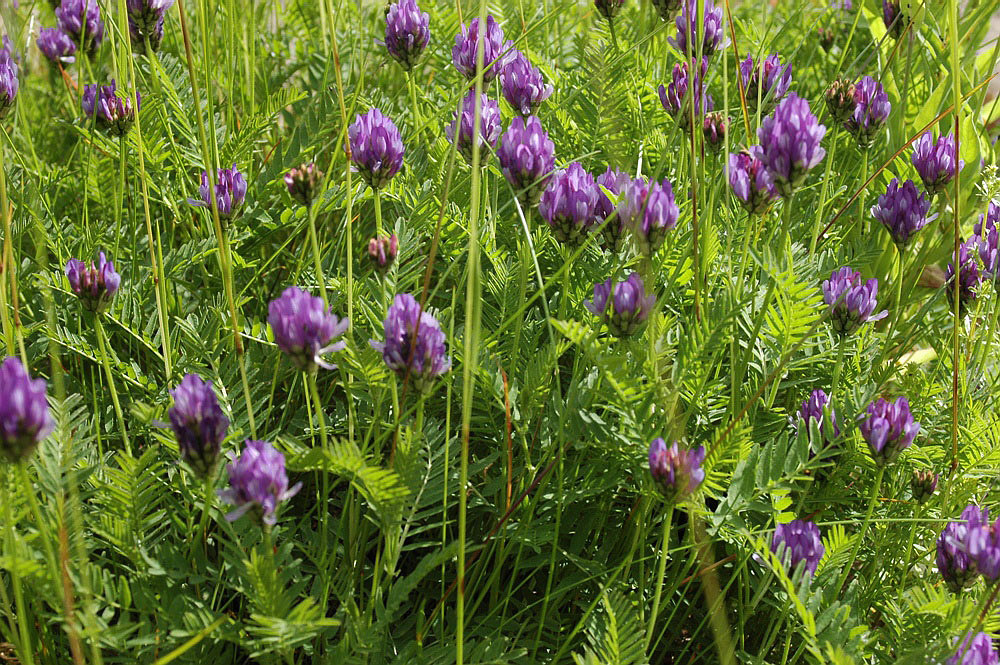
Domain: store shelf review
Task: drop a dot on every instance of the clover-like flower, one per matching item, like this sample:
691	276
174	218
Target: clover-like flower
813	410
988	241
923	483
303	328
230	192
903	211
568	204
968	277
496	50
676	470
198	423
522	84
677	96
414	343
712	33
613	234
489	127
751	182
81	20
798	542
650	210
407	32
114	113
145	21
56	45
852	301
95	286
767	81
790	143
889	429
954	562
935	161
24	411
303	182
527	157
376	148
258	482
624	307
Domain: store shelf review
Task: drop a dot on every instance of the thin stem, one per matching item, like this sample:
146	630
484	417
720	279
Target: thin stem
614	36
909	550
899	295
321	424
207	497
317	256
664	555
378	212
864	527
841	345
956	74
25	648
103	349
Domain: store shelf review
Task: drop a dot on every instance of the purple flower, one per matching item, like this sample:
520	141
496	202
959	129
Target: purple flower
94	286
114	113
676	471
852	302
988	239
776	79
303	182
751	182
81	20
376	148
609	8
843	5
798	542
903	211
568	204
24	411
790	143
871	109
230	191
713	36
56	45
496	50
650	210
676	96
257	482
527	157
968	278
956	566
977	651
623	307
667	8
406	32
145	21
522	84
303	328
813	410
889	428
935	162
923	484
714	130
983	545
198	423
382	251
839	97
8	85
894	19
424	358
489	127
613	234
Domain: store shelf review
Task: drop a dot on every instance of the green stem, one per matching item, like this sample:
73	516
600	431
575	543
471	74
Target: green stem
378	212
414	105
25	648
864	527
909	551
317	256
664	555
818	224
321	424
103	349
841	345
206	510
899	296
614	36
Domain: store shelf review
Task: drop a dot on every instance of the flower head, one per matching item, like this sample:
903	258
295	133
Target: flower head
968	277
667	8
814	409
145	21
988	239
893	17
613	234
676	471
95	286
871	109
406	32
230	191
303	328
81	20
889	428
56	45
935	162
496	50
923	484
903	211
489	127
376	148
527	157
954	562
790	143
975	650
382	251
767	80
650	210
839	97
852	302
751	182
522	84
714	130
198	423
624	307
826	37
113	112
677	95
568	204
257	482
423	357
24	411
798	542
303	182
609	8
712	36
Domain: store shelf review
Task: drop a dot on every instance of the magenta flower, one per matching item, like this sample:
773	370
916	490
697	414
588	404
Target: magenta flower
954	562
423	358
527	157
935	162
303	183
258	482
376	148
903	211
303	328
650	210
407	32
522	84
798	542
56	45
968	278
613	234
496	50
624	307
751	182
988	240
871	110
889	429
677	95
230	191
790	143
768	81
568	204
95	286
676	471
24	411
852	302
198	423
712	35
489	127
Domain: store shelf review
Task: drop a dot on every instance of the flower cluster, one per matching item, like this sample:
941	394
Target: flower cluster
199	424
414	345
258	482
606	212
751	182
988	240
407	32
676	97
714	130
935	161
975	650
676	471
954	562
839	97
489	127
527	157
871	110
903	211
798	543
145	21
852	302
382	251
56	45
650	210
24	411
568	204
230	191
968	277
303	182
765	82
376	148
814	410
303	328
496	50
712	34
81	21
95	286
113	113
889	429
522	84
893	17
624	306
923	484
790	143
